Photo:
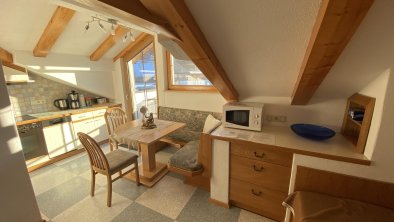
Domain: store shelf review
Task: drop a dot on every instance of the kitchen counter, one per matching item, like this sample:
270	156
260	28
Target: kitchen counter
336	148
62	113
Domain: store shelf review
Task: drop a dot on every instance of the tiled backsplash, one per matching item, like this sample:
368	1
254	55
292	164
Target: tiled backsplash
24	97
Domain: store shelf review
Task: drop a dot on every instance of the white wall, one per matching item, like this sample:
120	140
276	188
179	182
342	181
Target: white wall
206	101
98	80
368	57
18	202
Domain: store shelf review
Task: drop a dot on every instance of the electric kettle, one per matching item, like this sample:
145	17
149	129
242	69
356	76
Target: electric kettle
60	104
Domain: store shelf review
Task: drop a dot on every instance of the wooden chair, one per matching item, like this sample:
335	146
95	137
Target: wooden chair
108	164
114	117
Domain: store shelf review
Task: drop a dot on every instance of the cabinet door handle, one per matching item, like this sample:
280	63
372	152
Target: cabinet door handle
256	193
258	169
259	155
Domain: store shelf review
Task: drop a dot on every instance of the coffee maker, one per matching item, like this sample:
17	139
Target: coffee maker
72	99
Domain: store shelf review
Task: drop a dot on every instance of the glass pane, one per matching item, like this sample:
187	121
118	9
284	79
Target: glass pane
144	81
184	72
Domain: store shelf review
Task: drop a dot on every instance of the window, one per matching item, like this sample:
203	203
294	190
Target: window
184	75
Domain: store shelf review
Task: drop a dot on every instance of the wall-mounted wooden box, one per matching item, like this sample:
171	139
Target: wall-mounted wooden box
357	120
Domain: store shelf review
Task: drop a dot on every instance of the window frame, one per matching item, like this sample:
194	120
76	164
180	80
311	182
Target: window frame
173	87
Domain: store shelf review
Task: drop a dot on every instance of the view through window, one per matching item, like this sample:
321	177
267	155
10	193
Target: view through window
144	79
184	74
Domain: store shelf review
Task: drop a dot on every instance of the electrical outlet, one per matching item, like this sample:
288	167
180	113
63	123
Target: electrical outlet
271	118
37	102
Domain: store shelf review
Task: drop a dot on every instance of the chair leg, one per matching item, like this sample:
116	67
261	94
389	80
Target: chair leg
109	191
137	175
93	182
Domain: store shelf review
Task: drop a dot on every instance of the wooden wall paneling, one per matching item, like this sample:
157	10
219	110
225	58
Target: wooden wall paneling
345	186
6	56
108	43
60	18
135	47
336	23
193	43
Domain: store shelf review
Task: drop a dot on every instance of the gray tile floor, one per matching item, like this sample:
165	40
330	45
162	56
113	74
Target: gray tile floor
62	191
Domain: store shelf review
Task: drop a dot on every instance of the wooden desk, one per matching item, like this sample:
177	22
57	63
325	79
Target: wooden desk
131	133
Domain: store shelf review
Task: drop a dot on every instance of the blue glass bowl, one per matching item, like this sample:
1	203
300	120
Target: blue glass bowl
313	132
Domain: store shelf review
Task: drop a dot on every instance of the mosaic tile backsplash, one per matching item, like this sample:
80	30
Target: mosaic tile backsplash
24	97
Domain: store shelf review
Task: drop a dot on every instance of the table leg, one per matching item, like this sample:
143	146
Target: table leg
150	170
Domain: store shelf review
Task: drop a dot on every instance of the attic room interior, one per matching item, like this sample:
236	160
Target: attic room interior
185	110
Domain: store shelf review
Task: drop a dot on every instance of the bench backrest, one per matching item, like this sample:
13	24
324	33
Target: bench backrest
194	119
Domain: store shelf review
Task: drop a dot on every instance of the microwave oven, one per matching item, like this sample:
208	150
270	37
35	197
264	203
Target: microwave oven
243	115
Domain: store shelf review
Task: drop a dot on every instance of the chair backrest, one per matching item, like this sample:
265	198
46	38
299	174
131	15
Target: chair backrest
96	155
114	117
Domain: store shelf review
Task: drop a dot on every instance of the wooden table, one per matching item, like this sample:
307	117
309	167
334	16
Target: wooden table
131	133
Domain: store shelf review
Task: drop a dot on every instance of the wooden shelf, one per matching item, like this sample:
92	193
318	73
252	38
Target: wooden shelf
357	131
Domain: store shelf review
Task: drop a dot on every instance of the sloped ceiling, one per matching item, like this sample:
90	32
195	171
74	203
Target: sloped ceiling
23	21
260	43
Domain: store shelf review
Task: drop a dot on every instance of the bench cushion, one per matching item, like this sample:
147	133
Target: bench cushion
186	158
194	120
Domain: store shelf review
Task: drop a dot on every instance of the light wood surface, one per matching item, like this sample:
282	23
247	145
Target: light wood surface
108	43
56	114
260	173
135	47
134	12
336	148
262	153
345	186
100	164
336	22
193	43
6	56
149	144
356	132
60	18
13	66
219	203
257	199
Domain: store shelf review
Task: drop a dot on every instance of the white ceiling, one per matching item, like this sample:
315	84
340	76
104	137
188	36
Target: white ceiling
260	43
23	21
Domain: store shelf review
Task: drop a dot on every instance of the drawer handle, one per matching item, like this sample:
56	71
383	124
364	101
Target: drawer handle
259	156
258	169
256	193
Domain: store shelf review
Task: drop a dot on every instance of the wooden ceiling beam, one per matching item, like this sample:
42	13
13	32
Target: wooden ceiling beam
60	18
6	56
336	23
108	43
193	43
139	44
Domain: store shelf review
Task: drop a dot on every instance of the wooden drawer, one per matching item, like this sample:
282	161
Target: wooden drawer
262	152
99	112
257	199
81	116
265	174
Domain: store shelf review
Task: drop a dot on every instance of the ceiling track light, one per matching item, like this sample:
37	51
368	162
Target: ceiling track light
113	23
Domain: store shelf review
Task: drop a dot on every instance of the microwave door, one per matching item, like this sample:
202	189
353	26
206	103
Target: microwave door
238	117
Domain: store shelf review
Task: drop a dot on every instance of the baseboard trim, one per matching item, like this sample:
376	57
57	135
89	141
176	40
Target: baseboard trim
219	203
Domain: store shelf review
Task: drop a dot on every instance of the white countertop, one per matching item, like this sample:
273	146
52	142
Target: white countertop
337	147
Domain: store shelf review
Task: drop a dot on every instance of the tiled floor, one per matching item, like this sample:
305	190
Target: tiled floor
62	191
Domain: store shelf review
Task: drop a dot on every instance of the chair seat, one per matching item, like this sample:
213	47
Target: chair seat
117	159
186	157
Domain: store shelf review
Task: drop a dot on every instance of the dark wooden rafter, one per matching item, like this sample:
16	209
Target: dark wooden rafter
108	43
135	47
178	18
336	23
6	56
60	18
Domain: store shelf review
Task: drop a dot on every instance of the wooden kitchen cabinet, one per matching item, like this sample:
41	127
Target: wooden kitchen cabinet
259	178
91	123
